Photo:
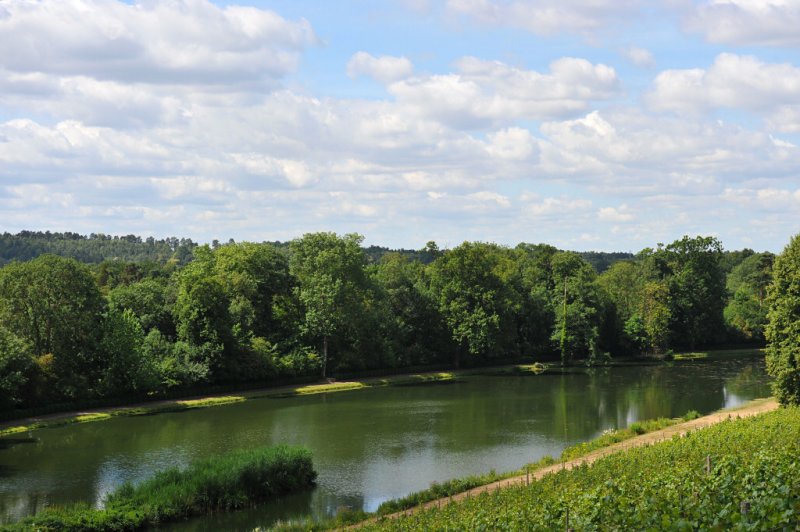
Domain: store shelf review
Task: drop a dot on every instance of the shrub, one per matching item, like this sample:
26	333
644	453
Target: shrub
224	483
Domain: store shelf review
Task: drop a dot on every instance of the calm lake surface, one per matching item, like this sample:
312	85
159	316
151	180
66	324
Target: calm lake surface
369	445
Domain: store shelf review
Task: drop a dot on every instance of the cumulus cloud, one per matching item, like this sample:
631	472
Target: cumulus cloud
615	214
184	41
385	68
733	81
484	92
743	22
110	63
641	57
545	17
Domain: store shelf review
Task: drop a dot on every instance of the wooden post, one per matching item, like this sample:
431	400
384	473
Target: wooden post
527	476
708	464
745	507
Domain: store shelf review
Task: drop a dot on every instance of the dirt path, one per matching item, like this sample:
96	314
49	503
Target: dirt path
752	408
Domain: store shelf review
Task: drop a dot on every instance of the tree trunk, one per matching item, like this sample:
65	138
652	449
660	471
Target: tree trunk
325	356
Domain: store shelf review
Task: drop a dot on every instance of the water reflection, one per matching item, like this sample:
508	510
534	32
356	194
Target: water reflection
370	445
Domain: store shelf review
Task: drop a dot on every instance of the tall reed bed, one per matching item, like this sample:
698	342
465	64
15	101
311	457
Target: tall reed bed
237	480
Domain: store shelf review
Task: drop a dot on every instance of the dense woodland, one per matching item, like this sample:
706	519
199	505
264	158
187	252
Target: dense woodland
109	317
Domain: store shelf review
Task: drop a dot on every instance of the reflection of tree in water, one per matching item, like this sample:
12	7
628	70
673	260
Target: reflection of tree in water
750	382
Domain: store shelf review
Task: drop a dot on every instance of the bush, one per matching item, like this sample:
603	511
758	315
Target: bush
225	483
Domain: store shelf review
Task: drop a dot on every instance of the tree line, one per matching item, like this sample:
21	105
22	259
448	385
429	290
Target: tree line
319	306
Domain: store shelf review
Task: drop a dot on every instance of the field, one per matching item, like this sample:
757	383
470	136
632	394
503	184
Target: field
737	475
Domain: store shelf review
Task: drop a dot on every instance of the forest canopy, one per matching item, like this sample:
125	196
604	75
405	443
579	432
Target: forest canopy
100	317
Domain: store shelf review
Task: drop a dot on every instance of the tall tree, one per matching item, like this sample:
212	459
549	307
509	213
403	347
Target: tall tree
54	304
470	285
332	284
691	266
783	328
578	312
746	312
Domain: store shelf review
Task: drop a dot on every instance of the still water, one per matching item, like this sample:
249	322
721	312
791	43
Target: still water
369	445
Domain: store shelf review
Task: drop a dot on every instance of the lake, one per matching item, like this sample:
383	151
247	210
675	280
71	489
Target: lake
370	445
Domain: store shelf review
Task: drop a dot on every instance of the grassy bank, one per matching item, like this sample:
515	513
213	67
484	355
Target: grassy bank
237	480
737	475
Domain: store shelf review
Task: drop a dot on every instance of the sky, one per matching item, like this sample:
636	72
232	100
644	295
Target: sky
609	125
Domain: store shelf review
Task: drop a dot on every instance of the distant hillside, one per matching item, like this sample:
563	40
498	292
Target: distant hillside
601	260
95	248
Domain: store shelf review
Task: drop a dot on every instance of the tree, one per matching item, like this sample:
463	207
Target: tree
691	266
54	304
16	369
149	300
577	316
332	284
783	327
470	284
746	312
415	330
126	368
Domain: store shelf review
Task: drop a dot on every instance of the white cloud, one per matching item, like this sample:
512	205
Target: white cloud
558	207
546	17
612	214
736	82
742	22
489	92
385	68
641	57
514	143
179	42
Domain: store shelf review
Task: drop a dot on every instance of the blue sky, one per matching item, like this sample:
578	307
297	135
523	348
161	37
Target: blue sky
587	124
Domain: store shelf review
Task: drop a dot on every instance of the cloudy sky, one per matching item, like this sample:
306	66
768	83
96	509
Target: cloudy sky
587	124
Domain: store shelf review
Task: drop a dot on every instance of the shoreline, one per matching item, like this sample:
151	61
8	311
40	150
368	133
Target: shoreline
68	417
751	408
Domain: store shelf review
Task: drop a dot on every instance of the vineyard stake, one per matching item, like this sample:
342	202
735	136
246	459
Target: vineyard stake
745	506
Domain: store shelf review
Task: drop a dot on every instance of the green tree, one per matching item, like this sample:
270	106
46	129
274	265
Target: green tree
126	370
746	311
16	369
577	320
151	300
54	304
692	268
415	330
470	283
783	327
331	286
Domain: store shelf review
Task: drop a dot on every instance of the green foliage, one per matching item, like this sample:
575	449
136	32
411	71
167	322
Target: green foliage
95	248
230	482
659	487
126	368
474	295
270	311
332	288
783	329
696	290
16	366
746	311
150	300
577	316
54	304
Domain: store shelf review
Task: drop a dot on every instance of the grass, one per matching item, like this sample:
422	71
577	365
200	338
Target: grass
230	482
173	406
